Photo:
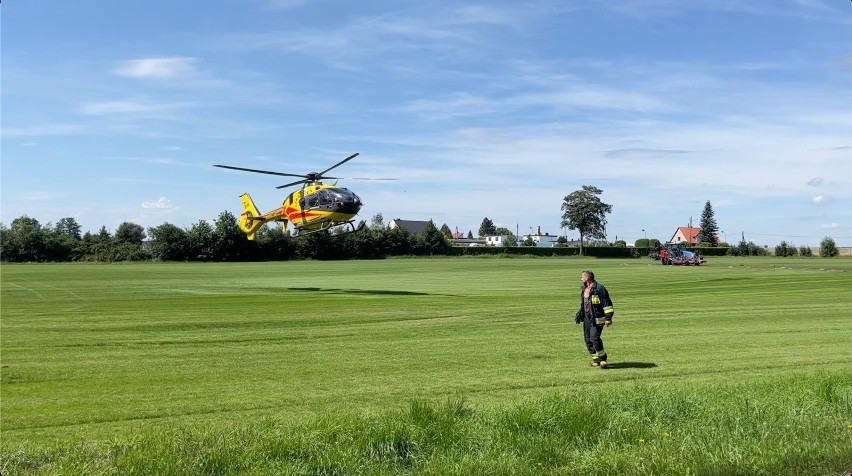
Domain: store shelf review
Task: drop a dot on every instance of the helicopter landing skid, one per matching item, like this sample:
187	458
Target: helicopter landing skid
350	228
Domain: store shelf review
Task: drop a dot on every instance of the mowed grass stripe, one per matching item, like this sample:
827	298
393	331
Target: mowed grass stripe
87	347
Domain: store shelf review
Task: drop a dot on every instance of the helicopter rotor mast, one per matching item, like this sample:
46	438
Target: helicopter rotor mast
314	177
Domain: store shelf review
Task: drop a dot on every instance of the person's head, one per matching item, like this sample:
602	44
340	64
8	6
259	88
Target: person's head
587	277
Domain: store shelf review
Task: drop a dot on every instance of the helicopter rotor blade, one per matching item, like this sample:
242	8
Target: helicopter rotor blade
320	174
305	178
281	174
293	183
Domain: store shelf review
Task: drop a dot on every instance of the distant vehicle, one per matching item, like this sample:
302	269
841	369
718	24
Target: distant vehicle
675	254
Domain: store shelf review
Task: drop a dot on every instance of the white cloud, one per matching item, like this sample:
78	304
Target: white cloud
128	106
816	4
157	68
161	203
830	225
43	130
639	154
819	199
163	161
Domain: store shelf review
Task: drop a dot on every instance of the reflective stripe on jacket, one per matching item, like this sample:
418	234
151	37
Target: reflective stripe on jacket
601	303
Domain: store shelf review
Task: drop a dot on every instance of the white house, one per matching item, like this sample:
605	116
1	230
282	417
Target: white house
540	240
496	240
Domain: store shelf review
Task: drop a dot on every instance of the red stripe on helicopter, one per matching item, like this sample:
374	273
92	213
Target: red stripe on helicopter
295	211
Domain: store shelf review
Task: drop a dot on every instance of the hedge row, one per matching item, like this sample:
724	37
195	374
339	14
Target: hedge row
594	251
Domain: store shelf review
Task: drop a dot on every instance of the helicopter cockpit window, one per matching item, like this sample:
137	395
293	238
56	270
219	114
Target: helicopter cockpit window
348	196
321	198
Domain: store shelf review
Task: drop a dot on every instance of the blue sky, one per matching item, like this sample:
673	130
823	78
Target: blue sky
116	111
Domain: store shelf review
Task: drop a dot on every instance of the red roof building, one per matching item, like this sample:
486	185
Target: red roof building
686	234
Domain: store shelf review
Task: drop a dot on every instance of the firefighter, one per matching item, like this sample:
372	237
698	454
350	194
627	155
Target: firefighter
595	313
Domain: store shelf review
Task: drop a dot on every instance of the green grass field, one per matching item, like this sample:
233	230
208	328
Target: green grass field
425	366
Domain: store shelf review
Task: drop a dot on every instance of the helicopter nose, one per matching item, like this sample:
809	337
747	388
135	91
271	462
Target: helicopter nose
349	205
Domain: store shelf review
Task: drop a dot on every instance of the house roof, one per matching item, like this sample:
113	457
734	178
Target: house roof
411	226
690	234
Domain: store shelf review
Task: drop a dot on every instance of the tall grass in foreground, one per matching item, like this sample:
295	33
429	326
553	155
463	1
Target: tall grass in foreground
792	425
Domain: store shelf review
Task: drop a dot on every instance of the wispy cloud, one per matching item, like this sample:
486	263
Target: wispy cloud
479	109
645	9
130	106
821	200
407	36
639	154
161	203
163	161
157	68
43	130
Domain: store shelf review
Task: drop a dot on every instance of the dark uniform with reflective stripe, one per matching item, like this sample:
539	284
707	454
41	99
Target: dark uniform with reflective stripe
595	310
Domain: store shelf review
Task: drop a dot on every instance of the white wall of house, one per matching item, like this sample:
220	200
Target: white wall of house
542	241
496	240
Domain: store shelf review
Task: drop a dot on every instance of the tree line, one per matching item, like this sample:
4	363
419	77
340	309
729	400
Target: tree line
26	240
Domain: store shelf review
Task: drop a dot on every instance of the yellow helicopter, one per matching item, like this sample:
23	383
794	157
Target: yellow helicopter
313	208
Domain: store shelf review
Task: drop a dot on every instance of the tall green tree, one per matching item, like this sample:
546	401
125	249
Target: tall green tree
169	242
398	241
131	233
584	211
827	248
201	241
785	249
68	227
487	228
446	231
98	247
365	244
229	242
274	243
67	240
103	235
436	242
378	221
25	240
709	230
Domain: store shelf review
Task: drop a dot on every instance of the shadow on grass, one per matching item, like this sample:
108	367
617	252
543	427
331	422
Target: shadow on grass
378	292
631	365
